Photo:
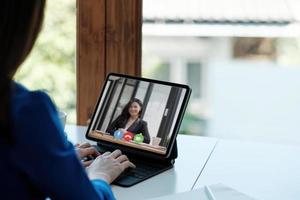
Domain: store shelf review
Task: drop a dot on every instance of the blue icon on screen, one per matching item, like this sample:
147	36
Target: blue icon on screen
118	134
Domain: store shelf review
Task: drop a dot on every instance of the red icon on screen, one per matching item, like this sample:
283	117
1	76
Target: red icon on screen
128	136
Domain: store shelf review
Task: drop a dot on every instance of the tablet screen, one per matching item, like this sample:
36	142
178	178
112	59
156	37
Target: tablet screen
139	113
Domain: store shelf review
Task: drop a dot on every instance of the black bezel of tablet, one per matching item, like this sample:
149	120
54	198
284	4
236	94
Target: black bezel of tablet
134	151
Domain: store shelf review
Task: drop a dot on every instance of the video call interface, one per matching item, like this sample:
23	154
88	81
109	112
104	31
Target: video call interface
137	114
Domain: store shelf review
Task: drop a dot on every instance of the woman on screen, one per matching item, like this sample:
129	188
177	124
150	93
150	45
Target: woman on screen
130	120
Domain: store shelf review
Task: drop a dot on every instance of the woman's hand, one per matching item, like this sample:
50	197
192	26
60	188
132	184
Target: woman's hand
86	150
109	166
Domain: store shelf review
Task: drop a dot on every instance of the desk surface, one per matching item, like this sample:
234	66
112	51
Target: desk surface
263	171
193	153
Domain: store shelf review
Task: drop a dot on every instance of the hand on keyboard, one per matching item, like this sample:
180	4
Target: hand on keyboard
86	153
109	166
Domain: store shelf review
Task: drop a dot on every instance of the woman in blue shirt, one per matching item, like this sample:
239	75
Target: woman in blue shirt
36	160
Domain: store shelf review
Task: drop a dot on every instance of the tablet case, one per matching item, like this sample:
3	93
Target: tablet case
158	166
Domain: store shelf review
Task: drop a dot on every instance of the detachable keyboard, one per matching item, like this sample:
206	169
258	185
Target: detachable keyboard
144	170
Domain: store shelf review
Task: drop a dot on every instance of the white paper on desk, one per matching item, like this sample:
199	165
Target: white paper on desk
198	194
220	191
223	192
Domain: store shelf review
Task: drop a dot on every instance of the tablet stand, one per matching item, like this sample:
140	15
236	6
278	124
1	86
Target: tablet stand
127	180
174	152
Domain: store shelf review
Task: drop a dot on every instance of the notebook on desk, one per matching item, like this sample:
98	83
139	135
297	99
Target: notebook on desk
141	117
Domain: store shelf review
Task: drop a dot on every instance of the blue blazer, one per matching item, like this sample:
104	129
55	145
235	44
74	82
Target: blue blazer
41	162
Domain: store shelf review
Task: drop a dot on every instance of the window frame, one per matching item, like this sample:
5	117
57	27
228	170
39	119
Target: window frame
109	39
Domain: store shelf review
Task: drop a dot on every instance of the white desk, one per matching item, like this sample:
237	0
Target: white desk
193	152
263	171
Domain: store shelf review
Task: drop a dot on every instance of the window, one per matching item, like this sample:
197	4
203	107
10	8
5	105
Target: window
194	78
159	70
51	64
244	68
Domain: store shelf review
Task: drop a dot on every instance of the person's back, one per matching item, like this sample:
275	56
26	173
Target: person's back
41	162
37	161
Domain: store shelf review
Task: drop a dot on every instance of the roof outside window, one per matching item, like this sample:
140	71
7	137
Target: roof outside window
271	18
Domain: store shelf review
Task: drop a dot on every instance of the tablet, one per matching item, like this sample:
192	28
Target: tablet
138	115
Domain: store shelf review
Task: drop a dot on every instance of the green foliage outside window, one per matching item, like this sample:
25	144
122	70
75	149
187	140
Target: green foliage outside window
51	64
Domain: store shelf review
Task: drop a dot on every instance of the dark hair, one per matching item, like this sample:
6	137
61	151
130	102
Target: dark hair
20	23
125	113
